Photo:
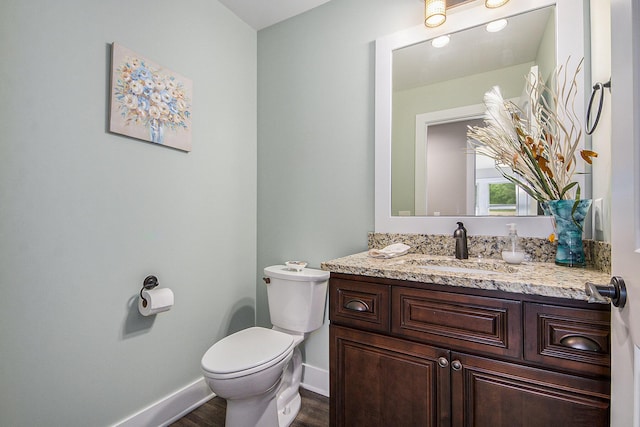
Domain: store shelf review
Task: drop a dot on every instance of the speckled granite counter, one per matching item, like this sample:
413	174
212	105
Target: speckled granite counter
534	278
597	254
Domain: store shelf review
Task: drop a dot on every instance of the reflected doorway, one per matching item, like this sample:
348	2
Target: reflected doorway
473	184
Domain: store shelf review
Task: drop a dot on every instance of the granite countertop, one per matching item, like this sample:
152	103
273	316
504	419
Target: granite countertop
533	278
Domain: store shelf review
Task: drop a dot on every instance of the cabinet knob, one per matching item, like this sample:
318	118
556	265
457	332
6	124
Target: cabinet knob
357	305
456	365
443	362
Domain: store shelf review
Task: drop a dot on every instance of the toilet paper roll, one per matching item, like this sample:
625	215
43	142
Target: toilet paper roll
157	301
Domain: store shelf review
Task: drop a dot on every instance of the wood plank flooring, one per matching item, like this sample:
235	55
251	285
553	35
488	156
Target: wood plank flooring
313	413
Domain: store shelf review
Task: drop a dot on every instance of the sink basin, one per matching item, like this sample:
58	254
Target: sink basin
457	269
473	266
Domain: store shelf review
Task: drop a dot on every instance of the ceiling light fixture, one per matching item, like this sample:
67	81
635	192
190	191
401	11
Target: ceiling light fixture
492	4
441	41
435	13
495	26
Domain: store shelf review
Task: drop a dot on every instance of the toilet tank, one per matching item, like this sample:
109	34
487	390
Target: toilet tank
296	298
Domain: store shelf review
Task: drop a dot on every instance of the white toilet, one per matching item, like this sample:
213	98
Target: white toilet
258	370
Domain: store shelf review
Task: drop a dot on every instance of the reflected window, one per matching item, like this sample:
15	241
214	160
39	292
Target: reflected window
502	198
497	196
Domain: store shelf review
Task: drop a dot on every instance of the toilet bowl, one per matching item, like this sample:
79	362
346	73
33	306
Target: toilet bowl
258	370
246	369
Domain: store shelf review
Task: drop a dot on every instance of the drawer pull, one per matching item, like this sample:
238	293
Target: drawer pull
456	365
357	305
579	342
443	362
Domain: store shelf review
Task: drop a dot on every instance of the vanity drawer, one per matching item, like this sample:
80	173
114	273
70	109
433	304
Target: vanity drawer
573	339
359	303
462	322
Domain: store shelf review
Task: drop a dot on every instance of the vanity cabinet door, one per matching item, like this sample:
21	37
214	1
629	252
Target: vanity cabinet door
487	392
381	381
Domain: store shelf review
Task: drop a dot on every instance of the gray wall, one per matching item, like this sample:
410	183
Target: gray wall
447	154
454	93
600	64
85	215
316	136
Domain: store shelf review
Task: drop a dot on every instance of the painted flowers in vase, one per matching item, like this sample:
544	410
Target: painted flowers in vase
150	98
539	150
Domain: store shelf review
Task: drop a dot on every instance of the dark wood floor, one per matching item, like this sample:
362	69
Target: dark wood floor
313	413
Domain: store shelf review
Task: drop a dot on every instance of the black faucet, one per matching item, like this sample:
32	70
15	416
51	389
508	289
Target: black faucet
461	242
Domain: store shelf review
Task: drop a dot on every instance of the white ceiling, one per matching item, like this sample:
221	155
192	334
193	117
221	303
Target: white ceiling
260	14
475	51
470	52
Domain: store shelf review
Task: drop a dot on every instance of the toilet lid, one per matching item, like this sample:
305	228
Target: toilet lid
247	349
304	275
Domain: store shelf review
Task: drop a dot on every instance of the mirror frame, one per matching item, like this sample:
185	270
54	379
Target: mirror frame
570	42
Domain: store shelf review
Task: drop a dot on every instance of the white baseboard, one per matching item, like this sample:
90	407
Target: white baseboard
176	405
315	379
171	408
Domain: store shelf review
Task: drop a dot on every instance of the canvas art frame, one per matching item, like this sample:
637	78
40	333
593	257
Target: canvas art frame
149	102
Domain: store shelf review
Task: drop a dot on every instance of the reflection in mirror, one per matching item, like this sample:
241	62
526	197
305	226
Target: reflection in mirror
437	93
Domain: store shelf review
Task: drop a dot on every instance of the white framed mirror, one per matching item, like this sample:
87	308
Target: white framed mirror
569	43
438	92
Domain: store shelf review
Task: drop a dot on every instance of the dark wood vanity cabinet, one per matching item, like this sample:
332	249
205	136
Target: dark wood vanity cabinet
413	354
488	392
378	380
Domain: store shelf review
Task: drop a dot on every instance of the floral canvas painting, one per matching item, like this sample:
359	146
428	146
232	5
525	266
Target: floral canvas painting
149	102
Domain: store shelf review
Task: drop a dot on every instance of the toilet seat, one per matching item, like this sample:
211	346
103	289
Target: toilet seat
246	352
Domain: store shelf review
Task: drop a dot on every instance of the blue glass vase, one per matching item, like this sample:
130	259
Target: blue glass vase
569	225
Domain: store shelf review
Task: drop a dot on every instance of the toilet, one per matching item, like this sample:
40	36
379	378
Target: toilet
258	370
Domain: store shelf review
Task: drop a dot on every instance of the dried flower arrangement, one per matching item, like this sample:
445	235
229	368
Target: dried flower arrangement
538	151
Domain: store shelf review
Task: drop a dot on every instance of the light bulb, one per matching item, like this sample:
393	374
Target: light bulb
495	26
441	41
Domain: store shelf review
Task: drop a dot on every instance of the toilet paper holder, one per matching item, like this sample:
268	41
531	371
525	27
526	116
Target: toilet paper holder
149	282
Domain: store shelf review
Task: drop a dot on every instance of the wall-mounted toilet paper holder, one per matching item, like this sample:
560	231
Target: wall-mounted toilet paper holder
149	282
